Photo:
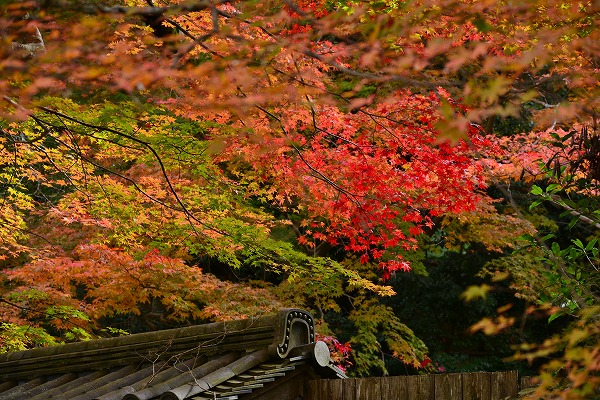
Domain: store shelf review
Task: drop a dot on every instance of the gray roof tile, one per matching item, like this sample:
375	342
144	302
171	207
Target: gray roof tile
226	361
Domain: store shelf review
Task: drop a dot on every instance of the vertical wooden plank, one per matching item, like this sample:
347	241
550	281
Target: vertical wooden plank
421	387
349	389
324	389
448	386
476	386
394	387
361	388
504	384
312	389
427	387
336	389
471	386
368	389
412	388
376	389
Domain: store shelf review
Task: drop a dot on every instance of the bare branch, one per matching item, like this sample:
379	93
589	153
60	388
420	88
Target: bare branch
379	77
150	11
559	202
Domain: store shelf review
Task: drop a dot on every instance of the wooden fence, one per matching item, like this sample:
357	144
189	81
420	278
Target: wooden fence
464	386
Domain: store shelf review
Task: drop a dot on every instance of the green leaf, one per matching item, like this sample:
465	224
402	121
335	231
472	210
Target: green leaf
573	222
556	249
536	203
555	315
564	214
591	244
527	237
569	203
555	136
549	236
569	135
536	190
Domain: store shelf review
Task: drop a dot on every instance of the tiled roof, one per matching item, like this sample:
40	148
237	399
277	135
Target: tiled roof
226	360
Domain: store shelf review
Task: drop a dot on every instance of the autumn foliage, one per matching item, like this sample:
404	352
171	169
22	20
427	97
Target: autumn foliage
177	162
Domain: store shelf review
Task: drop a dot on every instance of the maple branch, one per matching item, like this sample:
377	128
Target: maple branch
341	97
183	209
371	115
260	27
379	77
31	142
132	138
318	174
112	172
28	232
12	175
15	157
374	117
196	41
77	151
153	11
3	300
156	156
294	7
313	113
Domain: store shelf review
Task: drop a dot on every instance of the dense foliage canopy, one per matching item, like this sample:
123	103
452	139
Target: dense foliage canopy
168	162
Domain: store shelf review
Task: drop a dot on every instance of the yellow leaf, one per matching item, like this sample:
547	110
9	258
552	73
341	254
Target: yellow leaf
474	292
